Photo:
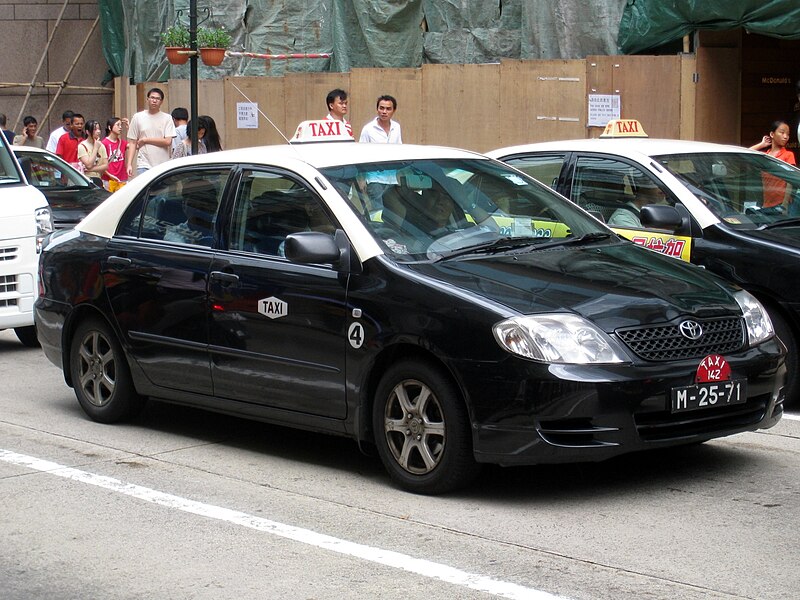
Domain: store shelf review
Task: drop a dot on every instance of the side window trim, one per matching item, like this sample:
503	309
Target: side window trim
137	210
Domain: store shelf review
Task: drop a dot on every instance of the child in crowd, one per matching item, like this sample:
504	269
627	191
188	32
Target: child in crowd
116	175
774	143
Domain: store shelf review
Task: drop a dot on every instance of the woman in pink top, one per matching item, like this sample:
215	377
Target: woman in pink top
116	175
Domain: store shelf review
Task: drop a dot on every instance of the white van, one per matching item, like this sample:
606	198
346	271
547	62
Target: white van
25	220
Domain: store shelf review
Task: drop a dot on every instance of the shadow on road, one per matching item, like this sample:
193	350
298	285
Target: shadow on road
657	469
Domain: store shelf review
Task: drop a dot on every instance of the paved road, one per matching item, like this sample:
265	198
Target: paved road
185	504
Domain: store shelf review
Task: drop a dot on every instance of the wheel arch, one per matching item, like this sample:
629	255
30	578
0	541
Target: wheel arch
388	356
77	316
778	310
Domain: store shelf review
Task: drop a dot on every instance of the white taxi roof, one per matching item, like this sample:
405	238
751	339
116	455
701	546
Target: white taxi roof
630	147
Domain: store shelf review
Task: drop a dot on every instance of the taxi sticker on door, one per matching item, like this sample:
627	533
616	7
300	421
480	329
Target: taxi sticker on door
676	246
273	307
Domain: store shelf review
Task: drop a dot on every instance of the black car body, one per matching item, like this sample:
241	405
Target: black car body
510	338
70	194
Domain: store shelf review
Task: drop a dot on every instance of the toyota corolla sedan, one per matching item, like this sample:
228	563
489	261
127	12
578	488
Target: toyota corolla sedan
431	303
736	211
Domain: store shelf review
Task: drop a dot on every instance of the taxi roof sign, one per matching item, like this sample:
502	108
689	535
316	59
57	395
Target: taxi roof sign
617	128
322	130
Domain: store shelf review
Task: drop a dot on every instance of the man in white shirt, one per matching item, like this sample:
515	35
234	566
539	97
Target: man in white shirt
381	130
55	135
336	101
150	136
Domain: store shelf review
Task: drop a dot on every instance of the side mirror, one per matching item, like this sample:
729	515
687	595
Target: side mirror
660	216
311	247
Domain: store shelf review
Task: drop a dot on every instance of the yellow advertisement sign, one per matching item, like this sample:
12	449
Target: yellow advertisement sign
676	246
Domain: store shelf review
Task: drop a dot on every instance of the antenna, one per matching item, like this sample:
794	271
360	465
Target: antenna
260	112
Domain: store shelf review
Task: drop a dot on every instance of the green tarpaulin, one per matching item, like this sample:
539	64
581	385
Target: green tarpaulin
646	24
408	33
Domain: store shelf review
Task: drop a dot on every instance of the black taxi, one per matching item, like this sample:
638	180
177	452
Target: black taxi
431	303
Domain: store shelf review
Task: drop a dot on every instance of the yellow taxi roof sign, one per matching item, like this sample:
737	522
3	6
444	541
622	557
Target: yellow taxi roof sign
617	128
322	130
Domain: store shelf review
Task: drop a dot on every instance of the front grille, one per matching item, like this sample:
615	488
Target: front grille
665	342
8	285
8	253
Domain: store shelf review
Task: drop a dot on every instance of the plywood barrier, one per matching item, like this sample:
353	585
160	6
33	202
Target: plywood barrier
477	107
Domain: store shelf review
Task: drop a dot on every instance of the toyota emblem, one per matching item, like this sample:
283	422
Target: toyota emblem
691	330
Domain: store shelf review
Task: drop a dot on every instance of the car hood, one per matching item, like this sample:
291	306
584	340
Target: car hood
614	286
788	236
84	199
70	207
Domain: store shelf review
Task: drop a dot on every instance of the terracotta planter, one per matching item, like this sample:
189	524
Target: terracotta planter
177	59
212	57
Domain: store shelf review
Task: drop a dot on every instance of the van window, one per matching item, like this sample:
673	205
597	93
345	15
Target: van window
9	174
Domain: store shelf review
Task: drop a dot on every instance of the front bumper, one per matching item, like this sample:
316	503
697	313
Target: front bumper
527	413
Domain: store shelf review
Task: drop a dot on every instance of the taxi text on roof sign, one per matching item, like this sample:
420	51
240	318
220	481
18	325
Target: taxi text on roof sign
323	130
623	128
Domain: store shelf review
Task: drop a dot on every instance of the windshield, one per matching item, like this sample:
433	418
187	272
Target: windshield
433	209
49	172
8	170
745	190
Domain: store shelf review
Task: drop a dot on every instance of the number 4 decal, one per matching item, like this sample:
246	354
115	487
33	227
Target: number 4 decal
355	335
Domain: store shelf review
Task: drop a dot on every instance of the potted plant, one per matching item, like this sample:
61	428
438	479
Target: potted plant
213	42
176	38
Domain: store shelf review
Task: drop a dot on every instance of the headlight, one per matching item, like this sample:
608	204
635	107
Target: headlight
44	226
759	325
556	338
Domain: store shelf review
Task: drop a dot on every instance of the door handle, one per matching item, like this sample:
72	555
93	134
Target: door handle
119	261
225	278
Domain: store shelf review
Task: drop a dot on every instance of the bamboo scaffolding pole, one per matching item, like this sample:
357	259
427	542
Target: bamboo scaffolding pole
54	84
64	83
39	66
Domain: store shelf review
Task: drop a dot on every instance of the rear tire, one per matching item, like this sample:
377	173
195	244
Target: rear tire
421	429
786	335
27	335
100	374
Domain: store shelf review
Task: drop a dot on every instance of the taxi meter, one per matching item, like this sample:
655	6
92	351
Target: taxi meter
322	130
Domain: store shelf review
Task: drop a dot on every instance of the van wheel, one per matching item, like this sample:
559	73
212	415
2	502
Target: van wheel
100	374
784	332
27	335
421	429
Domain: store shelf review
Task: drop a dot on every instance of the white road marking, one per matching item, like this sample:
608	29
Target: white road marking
388	558
791	417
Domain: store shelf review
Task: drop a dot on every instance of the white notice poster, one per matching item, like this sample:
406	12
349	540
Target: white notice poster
602	109
247	115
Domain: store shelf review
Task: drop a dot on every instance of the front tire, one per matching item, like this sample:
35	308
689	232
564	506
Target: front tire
27	335
421	429
100	374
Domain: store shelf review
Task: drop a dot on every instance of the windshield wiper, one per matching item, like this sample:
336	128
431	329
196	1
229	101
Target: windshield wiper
510	243
571	241
499	245
793	222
